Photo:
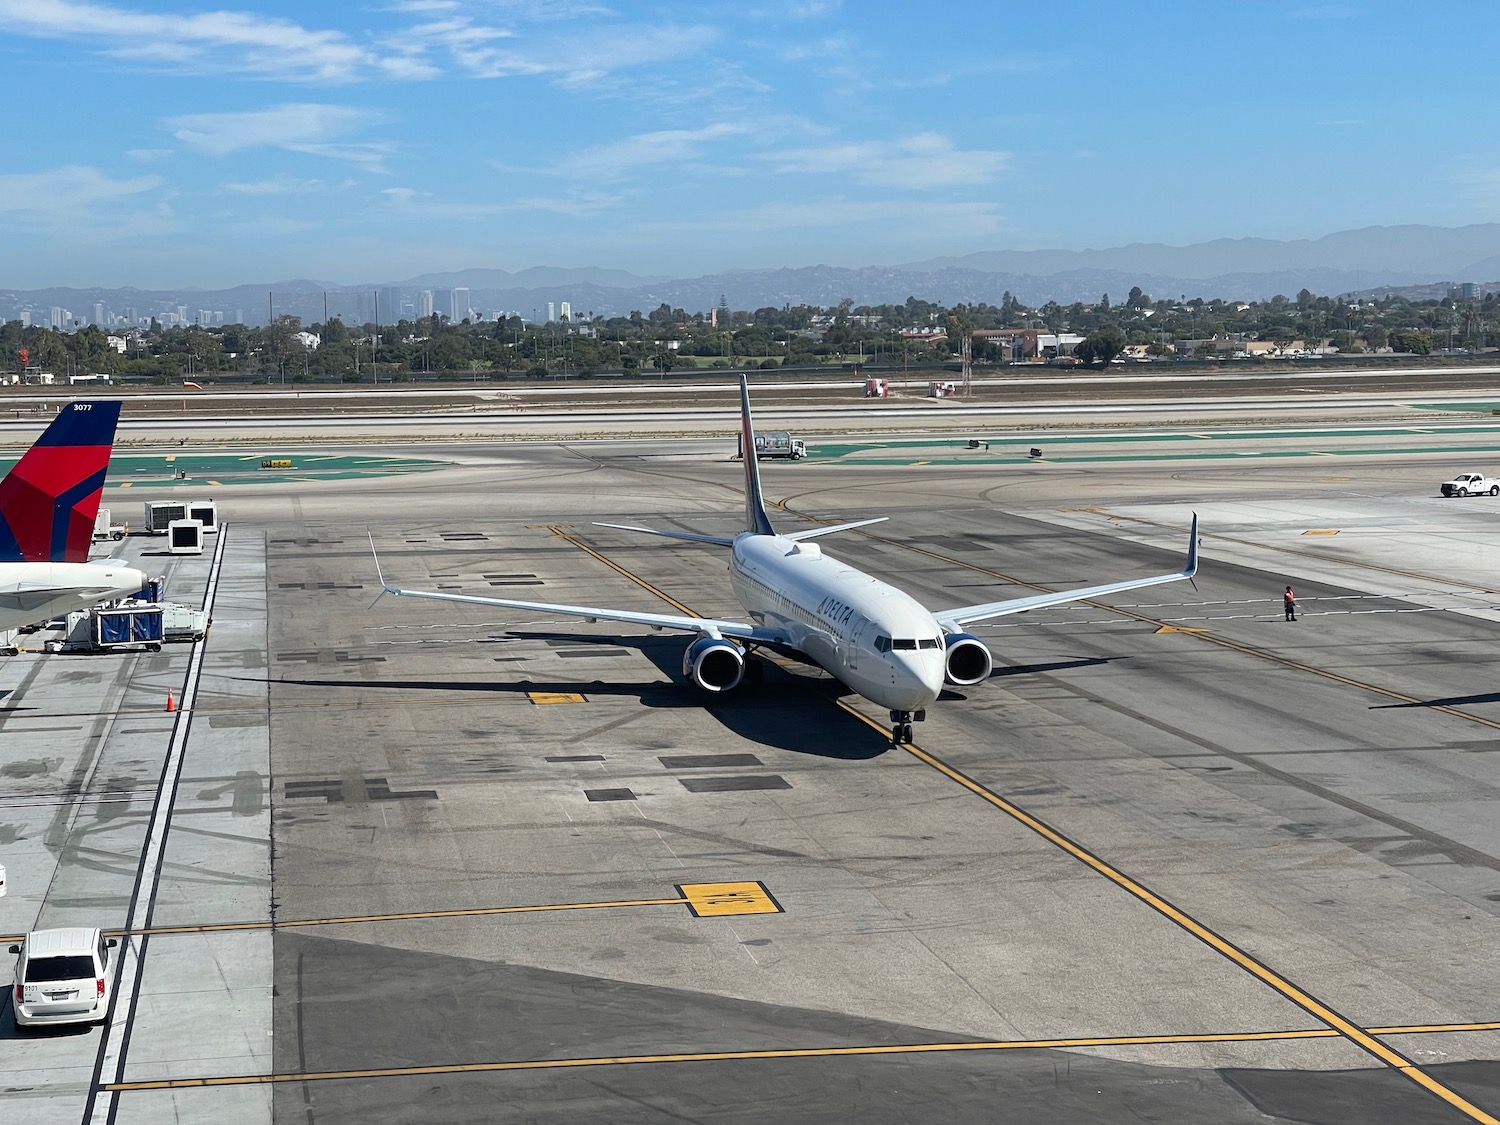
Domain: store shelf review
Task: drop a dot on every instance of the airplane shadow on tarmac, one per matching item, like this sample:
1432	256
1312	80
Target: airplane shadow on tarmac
785	711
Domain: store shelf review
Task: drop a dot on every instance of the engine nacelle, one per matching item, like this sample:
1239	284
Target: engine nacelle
714	664
969	661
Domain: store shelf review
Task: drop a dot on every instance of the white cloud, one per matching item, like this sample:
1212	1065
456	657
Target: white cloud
148	155
66	194
578	57
620	158
226	42
276	185
410	201
307	127
921	162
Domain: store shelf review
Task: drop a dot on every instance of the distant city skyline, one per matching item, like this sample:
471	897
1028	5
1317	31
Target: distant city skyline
203	144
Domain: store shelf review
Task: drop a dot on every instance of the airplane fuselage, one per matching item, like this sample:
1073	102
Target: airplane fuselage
875	639
33	592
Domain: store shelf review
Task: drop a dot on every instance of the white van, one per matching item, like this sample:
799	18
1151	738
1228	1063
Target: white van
62	976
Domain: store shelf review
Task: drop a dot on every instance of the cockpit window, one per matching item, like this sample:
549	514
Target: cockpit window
928	642
904	643
882	644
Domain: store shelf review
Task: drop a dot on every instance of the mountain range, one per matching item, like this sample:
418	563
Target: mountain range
1239	269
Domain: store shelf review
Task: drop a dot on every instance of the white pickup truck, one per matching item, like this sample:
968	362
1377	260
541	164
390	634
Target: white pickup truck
1472	484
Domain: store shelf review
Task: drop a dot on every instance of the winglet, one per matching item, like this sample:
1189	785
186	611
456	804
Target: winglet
1192	560
385	587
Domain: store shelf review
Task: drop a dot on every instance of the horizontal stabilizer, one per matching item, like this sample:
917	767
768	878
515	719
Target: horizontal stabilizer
814	532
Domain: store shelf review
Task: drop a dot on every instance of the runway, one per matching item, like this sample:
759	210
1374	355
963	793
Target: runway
1177	859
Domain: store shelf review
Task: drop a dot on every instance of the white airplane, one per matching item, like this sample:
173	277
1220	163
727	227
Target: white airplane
48	502
876	640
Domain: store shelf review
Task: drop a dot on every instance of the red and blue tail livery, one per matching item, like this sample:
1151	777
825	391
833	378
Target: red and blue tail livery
49	501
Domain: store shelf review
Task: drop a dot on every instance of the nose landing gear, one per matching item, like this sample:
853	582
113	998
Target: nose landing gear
901	722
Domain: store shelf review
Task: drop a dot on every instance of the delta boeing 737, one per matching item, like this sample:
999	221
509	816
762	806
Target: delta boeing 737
875	639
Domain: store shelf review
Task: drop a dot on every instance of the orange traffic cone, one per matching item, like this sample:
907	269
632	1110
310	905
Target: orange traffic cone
171	703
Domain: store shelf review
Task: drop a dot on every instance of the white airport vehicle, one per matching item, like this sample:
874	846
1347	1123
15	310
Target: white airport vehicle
106	529
875	639
62	976
1472	484
776	445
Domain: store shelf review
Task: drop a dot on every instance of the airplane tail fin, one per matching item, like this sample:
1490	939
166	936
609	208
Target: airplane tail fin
49	501
756	520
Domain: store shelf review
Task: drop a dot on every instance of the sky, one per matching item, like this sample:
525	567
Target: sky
214	143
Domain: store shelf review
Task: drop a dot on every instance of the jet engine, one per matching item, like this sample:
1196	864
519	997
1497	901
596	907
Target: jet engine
714	664
969	661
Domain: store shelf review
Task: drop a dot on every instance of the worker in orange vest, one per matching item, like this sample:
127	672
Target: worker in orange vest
1289	603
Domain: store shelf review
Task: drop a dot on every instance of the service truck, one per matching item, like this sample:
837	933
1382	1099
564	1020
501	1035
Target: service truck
104	528
1472	484
776	443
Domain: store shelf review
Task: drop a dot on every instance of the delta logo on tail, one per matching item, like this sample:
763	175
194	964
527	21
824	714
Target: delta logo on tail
48	502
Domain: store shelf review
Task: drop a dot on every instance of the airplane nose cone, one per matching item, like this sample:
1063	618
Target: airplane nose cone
922	679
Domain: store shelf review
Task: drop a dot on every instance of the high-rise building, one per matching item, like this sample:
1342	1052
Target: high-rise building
98	313
460	304
57	317
565	310
239	316
442	303
551	311
424	303
388	304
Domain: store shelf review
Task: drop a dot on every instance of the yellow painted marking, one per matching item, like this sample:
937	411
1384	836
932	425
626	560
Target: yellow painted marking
1205	437
914	464
546	526
171	456
715	900
542	698
1334	480
1433	1028
1095	510
712	1056
1321	531
1181	629
793	1053
126	484
705	900
216	483
1256	968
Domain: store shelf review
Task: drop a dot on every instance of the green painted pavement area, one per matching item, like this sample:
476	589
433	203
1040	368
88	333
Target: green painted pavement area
128	470
1014	450
1466	407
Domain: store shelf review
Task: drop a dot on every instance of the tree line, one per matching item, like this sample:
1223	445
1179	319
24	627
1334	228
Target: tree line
915	333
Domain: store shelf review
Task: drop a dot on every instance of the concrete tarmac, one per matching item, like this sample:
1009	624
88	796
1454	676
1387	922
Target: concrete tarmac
1178	859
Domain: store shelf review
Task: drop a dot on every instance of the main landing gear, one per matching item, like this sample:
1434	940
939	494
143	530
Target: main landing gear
901	722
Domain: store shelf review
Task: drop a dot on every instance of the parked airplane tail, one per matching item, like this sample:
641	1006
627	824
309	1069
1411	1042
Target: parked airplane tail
49	501
756	520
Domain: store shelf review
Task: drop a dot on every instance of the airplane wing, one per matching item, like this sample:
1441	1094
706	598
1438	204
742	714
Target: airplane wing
955	619
739	630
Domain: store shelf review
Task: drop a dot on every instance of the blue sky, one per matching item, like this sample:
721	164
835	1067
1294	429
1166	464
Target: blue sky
213	143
